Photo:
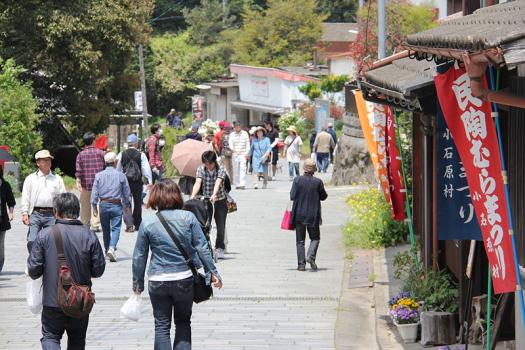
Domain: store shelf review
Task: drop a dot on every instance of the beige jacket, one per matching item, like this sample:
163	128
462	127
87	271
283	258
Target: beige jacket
323	142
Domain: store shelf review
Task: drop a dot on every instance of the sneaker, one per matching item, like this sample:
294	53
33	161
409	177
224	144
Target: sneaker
112	255
241	187
301	268
312	263
273	178
256	186
220	253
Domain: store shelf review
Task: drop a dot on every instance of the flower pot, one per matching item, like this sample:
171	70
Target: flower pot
408	331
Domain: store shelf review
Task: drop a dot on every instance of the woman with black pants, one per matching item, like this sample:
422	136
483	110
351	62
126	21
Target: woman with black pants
211	177
307	193
7	206
170	287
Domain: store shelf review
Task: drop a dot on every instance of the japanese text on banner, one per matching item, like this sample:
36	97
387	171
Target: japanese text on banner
470	123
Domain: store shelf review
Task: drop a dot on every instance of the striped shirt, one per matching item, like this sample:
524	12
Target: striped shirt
240	142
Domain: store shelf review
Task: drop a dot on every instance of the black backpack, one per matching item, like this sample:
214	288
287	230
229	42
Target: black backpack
131	164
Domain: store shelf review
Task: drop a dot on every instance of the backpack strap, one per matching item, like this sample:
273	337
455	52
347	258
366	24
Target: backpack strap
59	244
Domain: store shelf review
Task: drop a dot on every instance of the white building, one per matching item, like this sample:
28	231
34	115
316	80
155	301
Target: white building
266	93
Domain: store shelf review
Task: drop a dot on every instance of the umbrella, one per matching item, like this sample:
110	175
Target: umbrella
186	156
5	156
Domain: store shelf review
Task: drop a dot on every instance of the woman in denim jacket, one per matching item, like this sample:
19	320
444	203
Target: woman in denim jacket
170	279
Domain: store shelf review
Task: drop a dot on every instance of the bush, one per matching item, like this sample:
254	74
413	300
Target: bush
435	289
371	225
295	119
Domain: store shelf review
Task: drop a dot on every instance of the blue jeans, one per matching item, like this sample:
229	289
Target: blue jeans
38	221
55	323
322	161
293	168
172	298
111	222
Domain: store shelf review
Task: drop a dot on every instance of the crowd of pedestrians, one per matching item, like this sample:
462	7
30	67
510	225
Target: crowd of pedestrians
110	185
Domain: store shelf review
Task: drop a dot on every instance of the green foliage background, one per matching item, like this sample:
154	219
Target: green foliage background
18	117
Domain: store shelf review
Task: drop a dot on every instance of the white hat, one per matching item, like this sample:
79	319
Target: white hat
110	158
252	130
43	154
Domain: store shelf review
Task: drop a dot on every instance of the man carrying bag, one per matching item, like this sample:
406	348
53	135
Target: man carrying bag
67	255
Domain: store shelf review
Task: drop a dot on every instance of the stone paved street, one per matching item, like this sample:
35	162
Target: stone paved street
265	302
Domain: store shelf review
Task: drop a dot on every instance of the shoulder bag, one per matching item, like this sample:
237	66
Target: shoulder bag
74	300
201	291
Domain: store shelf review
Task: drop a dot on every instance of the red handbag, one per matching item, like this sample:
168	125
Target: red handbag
286	223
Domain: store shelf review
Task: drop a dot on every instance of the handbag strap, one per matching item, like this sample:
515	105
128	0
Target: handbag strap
59	244
179	245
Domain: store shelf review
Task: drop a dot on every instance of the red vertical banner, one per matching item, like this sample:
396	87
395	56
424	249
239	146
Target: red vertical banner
381	142
394	167
470	122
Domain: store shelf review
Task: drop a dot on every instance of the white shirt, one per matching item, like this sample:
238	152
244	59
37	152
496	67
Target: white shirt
293	148
175	276
39	190
239	142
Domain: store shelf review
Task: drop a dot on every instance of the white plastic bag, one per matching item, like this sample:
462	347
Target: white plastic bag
34	295
314	156
131	309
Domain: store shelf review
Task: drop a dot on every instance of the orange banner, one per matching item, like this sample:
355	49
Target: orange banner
373	122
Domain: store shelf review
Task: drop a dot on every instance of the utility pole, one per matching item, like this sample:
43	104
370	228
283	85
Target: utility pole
381	46
143	89
224	12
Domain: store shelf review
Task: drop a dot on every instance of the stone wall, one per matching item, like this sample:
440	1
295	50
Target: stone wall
352	162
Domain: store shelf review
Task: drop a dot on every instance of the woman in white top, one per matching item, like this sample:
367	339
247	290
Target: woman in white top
293	145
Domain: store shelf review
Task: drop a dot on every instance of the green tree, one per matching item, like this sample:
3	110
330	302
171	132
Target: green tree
311	90
207	21
338	10
333	84
283	34
77	53
18	117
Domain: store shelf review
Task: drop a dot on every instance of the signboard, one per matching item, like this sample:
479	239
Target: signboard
455	212
197	103
470	122
138	101
322	113
260	86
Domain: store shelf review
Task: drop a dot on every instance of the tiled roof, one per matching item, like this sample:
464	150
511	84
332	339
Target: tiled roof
403	75
486	28
398	81
333	32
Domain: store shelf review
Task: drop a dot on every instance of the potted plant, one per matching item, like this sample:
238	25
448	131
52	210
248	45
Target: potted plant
438	294
404	311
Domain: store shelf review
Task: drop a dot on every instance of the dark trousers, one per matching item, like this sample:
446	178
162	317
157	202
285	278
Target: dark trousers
300	236
136	193
54	323
173	298
221	212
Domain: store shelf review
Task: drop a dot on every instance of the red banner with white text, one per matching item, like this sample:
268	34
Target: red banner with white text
381	143
395	172
470	122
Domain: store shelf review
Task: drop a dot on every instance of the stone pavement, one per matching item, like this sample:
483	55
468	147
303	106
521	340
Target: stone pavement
265	302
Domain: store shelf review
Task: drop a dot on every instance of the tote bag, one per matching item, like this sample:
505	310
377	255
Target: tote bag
286	223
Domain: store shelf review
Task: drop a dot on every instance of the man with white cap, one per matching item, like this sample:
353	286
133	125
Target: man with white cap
111	192
38	192
134	164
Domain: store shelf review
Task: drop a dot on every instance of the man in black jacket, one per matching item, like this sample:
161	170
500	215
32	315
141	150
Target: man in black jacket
84	256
